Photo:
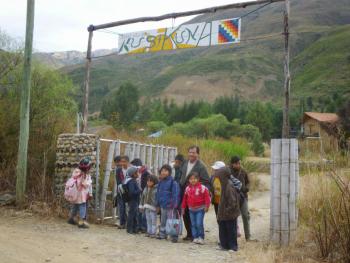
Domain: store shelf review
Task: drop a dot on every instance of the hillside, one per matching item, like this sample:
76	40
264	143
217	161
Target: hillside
253	69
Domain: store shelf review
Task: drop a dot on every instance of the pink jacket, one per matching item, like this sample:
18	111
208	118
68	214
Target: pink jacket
84	186
196	196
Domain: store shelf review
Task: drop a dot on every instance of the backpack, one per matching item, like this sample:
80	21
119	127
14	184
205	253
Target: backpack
71	191
123	191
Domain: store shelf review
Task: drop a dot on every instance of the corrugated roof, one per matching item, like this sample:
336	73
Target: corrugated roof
322	117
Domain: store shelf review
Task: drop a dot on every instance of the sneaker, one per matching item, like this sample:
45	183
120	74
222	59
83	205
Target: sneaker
153	236
83	224
187	238
71	221
147	235
174	240
160	237
120	226
200	241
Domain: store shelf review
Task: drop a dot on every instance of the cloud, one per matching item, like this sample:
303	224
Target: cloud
61	25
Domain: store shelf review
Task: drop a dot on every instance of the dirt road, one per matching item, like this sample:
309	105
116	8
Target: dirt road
27	238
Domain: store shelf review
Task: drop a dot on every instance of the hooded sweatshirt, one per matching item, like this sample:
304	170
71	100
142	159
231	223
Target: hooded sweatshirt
196	197
133	187
229	202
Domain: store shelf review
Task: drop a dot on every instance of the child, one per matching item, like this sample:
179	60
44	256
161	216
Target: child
82	181
148	205
197	199
168	199
134	198
228	212
120	174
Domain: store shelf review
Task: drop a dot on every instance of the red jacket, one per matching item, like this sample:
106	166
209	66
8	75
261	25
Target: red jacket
196	196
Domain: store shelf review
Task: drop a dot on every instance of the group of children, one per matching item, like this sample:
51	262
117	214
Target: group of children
141	196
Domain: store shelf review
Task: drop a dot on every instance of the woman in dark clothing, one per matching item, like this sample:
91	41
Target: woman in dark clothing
228	211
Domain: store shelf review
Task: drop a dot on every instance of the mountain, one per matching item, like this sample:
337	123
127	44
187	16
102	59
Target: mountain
66	58
252	69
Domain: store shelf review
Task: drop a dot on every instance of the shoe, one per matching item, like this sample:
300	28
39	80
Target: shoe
200	241
187	238
153	236
174	240
71	221
160	237
195	240
83	224
120	226
147	235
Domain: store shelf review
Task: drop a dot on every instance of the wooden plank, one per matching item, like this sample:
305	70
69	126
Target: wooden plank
275	213
106	178
161	156
117	148
149	158
137	151
97	185
143	154
292	190
156	160
166	155
285	192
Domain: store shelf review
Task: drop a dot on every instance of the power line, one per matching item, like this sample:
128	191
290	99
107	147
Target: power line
255	10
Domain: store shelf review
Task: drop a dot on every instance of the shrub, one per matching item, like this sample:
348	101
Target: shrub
154	126
325	209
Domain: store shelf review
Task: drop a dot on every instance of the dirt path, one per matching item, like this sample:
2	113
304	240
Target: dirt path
29	239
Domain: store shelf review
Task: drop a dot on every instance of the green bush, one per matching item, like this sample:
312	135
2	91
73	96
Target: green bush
154	126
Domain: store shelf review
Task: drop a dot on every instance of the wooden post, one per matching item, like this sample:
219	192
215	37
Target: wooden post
143	153
97	186
87	79
156	160
149	158
21	171
286	128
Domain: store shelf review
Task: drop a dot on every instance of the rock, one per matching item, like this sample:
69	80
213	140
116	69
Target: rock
7	199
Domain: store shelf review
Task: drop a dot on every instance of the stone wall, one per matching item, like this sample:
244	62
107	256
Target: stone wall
71	148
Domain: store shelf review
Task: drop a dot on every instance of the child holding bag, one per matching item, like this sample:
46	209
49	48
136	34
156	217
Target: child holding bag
197	199
168	199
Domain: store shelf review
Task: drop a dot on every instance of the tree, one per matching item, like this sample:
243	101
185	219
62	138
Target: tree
259	116
125	103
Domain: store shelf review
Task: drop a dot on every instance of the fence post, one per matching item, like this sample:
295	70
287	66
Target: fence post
106	178
97	185
149	158
284	190
156	160
143	153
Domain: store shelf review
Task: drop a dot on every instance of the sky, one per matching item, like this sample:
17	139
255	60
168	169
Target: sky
61	25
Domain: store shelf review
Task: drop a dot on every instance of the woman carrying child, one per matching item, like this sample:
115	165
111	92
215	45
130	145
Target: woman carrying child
197	199
148	205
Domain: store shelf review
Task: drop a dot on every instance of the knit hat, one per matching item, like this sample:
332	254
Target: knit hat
131	171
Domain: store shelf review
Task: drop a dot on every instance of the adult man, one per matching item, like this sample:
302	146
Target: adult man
241	175
193	164
120	174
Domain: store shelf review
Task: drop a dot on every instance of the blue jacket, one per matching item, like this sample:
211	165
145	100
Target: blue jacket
134	189
168	193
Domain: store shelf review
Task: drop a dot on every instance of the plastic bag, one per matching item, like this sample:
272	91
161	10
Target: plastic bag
174	224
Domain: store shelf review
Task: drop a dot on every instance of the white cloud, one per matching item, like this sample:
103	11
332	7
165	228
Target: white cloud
61	25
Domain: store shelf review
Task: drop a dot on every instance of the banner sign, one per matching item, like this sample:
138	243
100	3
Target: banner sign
204	34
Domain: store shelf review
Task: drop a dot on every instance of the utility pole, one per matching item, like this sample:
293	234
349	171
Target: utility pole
286	128
21	172
87	80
